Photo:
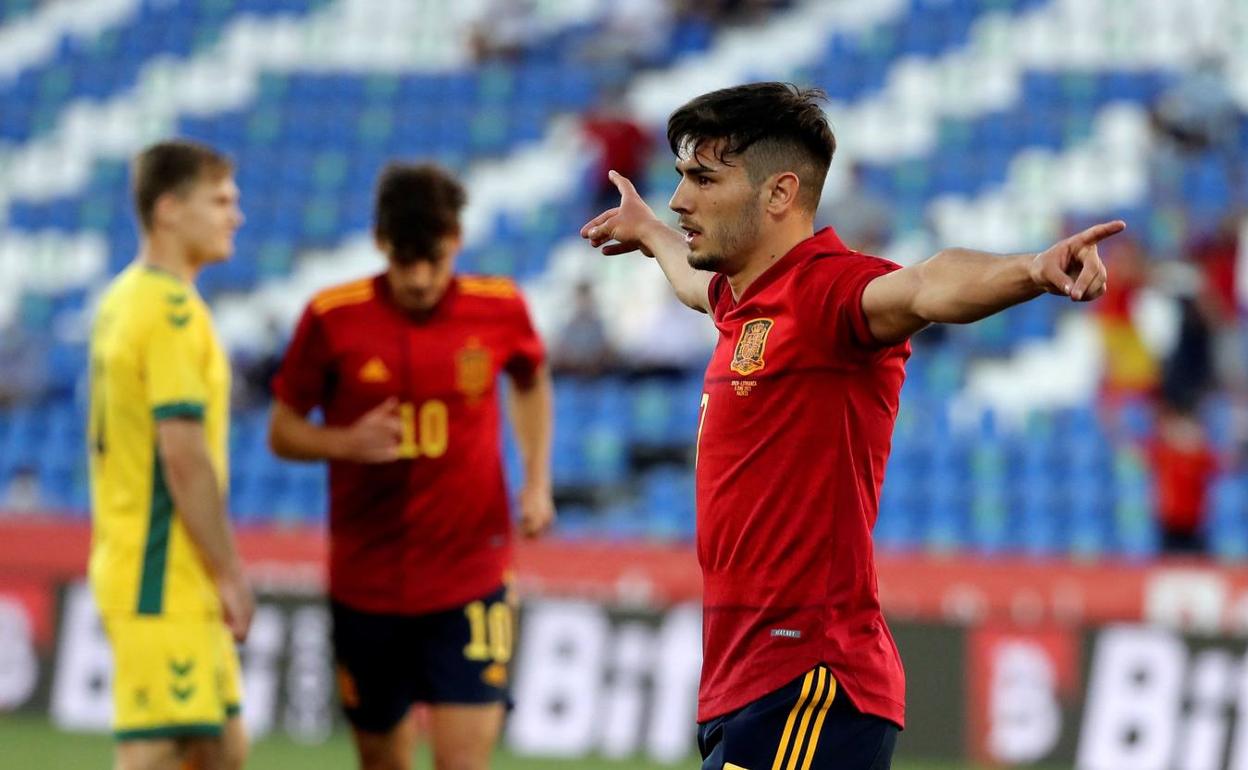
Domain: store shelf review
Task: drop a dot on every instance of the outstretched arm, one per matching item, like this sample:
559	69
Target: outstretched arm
633	226
961	286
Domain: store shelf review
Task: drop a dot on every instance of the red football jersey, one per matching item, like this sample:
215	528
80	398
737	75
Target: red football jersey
433	530
796	426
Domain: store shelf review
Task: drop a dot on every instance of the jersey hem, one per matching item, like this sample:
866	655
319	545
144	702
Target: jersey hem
409	609
209	729
868	703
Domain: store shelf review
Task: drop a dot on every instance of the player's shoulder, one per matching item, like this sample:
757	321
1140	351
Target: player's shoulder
488	287
492	293
145	295
833	265
343	295
142	281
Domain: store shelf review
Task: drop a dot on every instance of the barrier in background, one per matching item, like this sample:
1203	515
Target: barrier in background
1092	666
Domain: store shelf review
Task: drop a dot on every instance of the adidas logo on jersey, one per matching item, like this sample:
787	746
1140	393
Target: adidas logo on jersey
374	371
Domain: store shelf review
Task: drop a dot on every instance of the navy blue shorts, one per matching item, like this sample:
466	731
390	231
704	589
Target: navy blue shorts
808	724
385	662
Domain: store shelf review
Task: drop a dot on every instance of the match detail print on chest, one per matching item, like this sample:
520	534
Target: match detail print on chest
749	355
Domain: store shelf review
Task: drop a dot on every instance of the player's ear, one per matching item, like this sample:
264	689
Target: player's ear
782	190
382	244
166	208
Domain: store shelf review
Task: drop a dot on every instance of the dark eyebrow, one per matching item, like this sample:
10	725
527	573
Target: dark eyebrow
699	169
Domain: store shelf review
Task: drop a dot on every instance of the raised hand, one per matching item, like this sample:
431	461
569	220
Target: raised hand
626	224
376	436
1072	267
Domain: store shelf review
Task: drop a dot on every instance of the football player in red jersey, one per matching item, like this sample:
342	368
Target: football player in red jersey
800	397
404	367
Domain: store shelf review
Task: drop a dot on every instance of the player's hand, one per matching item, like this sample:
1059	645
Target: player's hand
237	604
1073	267
625	224
537	510
376	436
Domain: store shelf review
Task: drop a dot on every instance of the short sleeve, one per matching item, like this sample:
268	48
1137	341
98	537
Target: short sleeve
300	380
526	352
175	366
833	287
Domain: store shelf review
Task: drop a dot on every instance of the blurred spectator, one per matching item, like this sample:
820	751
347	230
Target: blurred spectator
1184	465
23	494
1216	257
1130	367
1188	372
635	32
1199	111
581	347
734	11
1197	115
863	221
505	30
671	342
23	360
621	144
254	367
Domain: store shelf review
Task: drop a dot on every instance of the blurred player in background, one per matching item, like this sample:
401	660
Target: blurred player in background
164	569
404	367
800	397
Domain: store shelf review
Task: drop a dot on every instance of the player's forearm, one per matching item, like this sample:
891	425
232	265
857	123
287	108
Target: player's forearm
197	498
669	249
962	285
294	437
532	420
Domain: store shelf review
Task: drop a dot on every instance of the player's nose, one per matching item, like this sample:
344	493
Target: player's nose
420	275
680	201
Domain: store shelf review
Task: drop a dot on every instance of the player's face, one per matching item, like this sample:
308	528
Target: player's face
205	218
720	210
417	286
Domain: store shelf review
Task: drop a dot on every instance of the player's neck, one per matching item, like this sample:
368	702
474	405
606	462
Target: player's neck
156	254
768	252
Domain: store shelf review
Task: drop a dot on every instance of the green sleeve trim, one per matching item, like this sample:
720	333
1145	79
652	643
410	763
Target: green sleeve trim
156	549
233	710
169	731
184	409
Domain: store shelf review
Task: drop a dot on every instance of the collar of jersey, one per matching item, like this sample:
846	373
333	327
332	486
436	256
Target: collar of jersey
381	288
826	241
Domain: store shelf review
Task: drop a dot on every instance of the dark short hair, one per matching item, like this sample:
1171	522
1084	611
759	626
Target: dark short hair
417	205
771	126
171	166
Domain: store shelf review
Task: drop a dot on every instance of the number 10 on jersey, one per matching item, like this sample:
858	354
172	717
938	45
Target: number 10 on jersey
425	429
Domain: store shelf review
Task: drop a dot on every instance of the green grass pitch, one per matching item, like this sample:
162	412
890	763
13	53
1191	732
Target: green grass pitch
31	742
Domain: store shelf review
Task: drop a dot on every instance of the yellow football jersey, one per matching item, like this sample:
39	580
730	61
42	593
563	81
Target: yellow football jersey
154	355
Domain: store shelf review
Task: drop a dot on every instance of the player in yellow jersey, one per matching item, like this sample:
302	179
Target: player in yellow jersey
164	570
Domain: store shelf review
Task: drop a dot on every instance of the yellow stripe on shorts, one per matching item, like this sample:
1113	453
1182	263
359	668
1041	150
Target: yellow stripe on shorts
823	712
782	749
807	735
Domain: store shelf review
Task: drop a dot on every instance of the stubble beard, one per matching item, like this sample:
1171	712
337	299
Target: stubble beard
736	237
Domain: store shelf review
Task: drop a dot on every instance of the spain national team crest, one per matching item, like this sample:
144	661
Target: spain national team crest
472	369
748	357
